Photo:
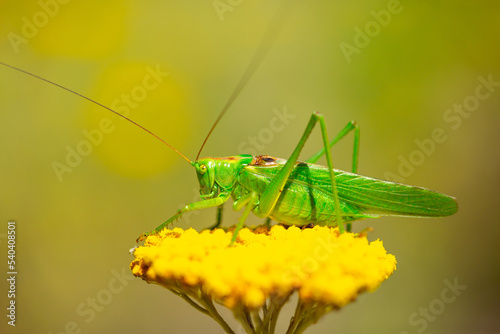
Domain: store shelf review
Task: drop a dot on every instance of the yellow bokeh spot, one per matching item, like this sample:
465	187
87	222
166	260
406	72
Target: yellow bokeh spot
150	96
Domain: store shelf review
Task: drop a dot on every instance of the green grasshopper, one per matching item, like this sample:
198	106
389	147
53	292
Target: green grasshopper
301	193
298	193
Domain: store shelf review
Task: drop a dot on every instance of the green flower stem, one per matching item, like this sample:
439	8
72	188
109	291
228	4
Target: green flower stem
242	316
257	320
267	312
310	313
190	301
297	317
206	301
248	317
276	304
311	316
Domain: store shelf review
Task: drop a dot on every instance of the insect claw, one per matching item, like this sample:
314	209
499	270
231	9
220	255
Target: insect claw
141	237
365	232
310	225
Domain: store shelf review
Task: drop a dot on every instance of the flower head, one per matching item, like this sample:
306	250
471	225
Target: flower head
264	268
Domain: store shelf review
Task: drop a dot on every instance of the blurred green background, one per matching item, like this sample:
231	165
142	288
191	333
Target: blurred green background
399	78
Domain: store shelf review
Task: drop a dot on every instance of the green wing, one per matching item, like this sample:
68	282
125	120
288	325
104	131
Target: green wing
374	196
365	196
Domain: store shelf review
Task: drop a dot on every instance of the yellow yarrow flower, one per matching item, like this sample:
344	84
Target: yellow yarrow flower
263	269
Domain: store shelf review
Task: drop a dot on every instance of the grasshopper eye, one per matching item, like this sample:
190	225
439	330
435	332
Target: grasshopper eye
203	169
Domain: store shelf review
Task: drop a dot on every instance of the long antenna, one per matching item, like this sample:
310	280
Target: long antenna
99	104
260	54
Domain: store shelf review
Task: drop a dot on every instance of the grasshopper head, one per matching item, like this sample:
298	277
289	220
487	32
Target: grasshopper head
205	170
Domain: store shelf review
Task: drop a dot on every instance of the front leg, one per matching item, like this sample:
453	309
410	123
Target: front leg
208	203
